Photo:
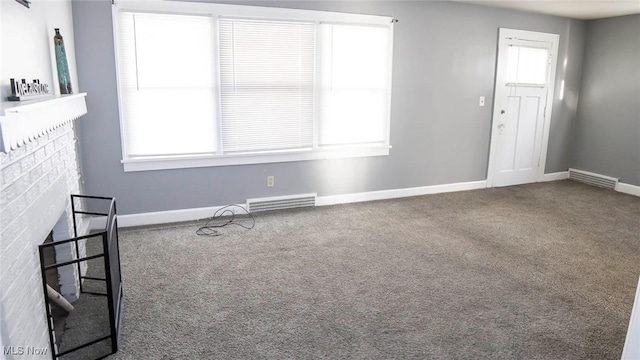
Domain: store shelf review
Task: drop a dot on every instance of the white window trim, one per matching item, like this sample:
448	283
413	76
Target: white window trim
216	10
179	162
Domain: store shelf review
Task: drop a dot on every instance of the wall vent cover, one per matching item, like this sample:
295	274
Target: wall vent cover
593	179
281	202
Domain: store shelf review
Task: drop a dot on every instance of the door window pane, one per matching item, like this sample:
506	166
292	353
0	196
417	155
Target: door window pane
526	65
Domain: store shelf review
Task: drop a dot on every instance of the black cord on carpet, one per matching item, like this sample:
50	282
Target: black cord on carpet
218	221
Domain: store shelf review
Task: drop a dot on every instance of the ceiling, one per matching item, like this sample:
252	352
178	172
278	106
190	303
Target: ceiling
577	9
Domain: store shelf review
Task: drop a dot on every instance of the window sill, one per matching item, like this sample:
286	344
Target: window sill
181	162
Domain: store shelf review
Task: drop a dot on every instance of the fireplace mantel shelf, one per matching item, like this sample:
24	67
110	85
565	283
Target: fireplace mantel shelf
21	122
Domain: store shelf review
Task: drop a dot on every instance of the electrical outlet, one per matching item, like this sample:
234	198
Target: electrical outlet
481	102
271	181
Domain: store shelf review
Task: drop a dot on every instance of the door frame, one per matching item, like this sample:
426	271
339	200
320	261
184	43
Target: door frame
504	34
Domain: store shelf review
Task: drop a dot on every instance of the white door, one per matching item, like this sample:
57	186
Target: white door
522	107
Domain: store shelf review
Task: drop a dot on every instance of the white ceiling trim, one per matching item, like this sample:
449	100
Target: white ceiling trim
577	9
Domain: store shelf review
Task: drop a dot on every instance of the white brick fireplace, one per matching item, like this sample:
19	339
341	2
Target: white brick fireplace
38	172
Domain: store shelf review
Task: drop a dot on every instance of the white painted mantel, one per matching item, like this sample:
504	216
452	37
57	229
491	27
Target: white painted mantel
24	121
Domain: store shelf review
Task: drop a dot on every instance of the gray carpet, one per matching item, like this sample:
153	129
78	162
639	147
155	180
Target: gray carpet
541	271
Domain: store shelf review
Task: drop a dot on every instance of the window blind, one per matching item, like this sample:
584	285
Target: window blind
242	84
266	84
167	84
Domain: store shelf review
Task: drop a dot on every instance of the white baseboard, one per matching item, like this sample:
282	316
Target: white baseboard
160	217
562	175
163	217
628	189
398	193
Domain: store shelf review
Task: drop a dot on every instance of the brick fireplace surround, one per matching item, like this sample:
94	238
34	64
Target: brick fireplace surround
38	171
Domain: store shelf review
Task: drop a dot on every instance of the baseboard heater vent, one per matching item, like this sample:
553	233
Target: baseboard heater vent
593	179
281	202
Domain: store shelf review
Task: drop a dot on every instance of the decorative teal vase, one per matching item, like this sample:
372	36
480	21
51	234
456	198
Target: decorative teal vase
63	67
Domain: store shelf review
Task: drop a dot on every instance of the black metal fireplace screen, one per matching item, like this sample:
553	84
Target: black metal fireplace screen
106	241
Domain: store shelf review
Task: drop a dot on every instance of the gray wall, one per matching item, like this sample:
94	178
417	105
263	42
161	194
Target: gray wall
607	130
444	59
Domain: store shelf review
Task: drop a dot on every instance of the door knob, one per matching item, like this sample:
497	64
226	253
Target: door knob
502	111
